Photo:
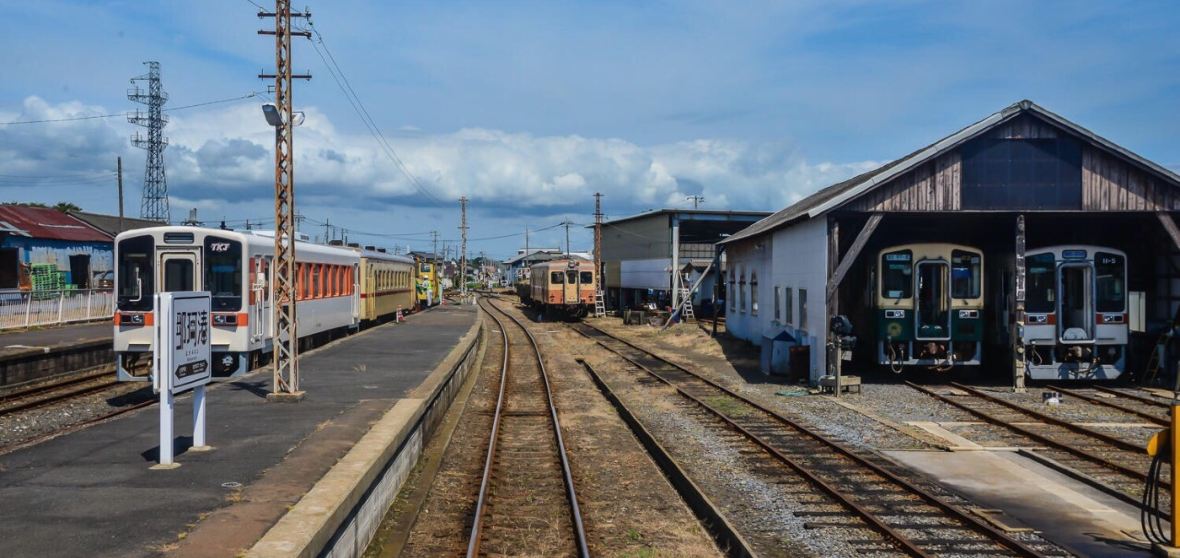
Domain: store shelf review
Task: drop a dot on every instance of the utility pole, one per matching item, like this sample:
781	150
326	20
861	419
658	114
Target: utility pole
697	200
154	204
567	238
434	243
598	242
327	228
285	335
119	164
463	255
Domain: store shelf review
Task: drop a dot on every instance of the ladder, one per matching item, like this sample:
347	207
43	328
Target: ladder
686	312
599	305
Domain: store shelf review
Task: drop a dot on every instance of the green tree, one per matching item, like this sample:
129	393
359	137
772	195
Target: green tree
66	207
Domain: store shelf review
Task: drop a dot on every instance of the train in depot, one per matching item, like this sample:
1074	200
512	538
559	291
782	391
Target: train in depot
561	287
338	290
1076	325
929	304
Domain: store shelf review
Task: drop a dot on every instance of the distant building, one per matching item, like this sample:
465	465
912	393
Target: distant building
112	224
44	249
641	252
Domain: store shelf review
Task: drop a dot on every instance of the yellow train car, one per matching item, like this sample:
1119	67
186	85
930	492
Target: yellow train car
428	288
386	285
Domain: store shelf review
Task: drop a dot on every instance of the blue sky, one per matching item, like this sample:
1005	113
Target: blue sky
528	108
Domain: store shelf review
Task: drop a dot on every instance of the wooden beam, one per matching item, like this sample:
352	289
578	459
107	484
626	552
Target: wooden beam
862	238
1170	226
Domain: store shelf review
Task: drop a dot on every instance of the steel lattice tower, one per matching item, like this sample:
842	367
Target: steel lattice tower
154	205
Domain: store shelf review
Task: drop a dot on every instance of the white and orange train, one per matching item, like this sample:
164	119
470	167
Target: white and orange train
339	289
561	286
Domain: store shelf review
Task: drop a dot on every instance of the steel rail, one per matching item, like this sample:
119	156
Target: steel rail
969	521
1088	432
1155	419
1050	442
485	482
1139	398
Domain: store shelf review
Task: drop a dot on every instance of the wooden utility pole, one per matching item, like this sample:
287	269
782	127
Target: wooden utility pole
285	336
463	256
119	165
598	242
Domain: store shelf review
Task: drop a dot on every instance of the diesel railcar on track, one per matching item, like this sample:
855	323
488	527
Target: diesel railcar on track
929	306
1077	316
236	268
562	286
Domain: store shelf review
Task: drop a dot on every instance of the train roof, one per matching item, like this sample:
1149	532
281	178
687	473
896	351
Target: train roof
1058	248
248	237
562	263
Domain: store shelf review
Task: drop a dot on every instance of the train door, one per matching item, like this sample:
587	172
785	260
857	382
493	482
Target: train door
569	291
1075	306
260	297
178	271
932	314
354	276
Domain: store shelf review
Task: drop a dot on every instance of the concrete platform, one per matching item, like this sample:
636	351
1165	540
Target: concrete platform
91	493
53	338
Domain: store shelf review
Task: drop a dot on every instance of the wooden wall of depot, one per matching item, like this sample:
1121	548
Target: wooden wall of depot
1109	183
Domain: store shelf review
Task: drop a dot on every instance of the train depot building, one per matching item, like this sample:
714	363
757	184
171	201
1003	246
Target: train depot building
921	255
641	254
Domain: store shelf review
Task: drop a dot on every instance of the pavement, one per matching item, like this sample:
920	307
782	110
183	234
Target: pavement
18	342
92	492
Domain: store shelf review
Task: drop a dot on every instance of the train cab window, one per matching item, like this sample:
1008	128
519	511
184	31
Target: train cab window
571	277
587	277
897	274
1040	275
136	285
556	277
965	274
933	311
1110	279
223	273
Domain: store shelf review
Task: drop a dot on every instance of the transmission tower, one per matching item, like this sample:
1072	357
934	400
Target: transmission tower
154	205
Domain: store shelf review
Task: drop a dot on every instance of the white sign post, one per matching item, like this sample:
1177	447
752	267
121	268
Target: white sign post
183	361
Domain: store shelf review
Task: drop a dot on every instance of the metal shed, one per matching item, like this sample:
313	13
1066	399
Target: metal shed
31	237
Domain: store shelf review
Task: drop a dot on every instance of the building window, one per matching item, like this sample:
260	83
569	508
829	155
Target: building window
753	293
788	305
802	308
741	292
731	292
778	315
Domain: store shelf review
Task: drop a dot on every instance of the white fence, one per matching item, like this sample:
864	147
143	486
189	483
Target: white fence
42	308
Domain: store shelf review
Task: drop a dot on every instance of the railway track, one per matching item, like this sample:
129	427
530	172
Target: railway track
526	495
1155	412
73	386
912	519
1111	464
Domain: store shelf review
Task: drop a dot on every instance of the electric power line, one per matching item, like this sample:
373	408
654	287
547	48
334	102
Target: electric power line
119	114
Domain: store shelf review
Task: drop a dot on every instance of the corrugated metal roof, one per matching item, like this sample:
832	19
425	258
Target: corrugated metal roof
48	223
110	223
688	213
837	194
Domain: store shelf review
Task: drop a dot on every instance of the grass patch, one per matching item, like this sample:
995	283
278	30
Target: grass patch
727	406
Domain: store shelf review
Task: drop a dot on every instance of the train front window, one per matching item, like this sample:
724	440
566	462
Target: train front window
897	274
1110	279
1040	273
178	275
571	277
1077	312
966	269
587	277
556	277
223	273
136	287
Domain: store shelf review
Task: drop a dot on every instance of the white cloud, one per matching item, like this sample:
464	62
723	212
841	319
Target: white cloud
226	154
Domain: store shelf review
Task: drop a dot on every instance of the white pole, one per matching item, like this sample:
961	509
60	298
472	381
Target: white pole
199	419
28	306
166	401
61	300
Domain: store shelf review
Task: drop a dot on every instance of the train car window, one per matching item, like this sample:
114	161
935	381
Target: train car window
966	270
223	273
317	280
1110	278
897	272
556	277
587	278
1040	275
135	280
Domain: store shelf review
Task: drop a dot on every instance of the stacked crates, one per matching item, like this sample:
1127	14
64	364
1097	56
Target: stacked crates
46	280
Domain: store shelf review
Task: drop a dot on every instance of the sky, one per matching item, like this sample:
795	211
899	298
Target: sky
529	108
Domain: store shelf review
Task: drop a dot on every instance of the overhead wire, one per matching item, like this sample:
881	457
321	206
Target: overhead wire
114	114
358	106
